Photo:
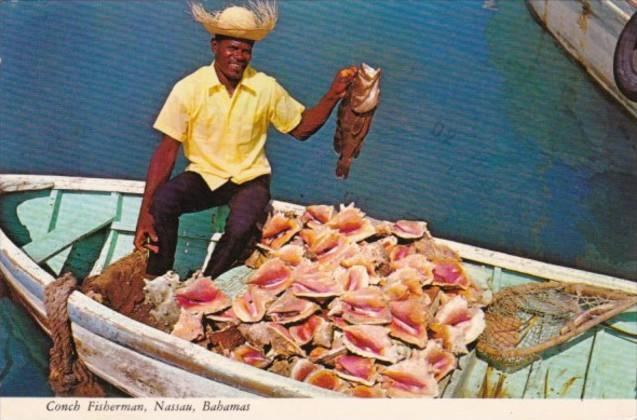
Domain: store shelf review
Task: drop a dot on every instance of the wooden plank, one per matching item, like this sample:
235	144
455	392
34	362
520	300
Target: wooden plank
562	370
142	376
35	214
19	182
74	216
211	247
84	253
105	254
38	216
480	275
539	269
197	225
76	207
121	246
128	213
192	225
219	219
200	225
613	363
196	231
11	223
496	279
57	261
477	380
57	240
40	228
484	381
24	279
190	255
459	376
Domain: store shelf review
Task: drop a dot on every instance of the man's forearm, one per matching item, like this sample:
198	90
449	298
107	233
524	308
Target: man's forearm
159	170
314	118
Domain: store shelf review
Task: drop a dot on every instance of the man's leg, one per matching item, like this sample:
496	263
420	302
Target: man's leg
247	210
185	193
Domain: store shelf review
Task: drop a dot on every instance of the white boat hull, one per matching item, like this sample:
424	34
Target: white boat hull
588	30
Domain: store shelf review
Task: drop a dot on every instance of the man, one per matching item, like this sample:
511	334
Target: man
221	113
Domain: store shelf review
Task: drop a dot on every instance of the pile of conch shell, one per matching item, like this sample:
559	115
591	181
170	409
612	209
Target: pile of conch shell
340	301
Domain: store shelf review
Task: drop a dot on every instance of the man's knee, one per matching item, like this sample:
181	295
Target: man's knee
165	203
187	192
241	229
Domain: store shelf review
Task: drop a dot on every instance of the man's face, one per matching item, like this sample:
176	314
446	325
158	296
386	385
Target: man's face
232	56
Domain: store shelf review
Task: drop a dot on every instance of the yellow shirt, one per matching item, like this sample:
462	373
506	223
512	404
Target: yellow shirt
224	137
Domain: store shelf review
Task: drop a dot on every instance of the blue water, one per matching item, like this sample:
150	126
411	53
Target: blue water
24	355
486	128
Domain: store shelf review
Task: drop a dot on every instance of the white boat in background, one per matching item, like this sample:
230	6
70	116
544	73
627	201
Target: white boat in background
589	31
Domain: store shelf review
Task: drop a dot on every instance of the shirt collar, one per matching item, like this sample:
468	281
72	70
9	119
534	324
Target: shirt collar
247	81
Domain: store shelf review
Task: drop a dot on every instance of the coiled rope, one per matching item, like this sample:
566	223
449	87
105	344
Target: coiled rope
68	375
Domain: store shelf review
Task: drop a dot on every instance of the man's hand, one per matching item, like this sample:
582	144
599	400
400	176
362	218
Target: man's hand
314	118
161	165
342	80
146	230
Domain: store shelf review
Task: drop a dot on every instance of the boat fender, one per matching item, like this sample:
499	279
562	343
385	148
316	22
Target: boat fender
625	60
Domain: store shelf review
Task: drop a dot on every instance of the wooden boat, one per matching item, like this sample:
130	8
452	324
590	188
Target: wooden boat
51	224
588	30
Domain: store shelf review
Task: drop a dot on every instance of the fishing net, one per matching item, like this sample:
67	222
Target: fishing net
120	287
523	321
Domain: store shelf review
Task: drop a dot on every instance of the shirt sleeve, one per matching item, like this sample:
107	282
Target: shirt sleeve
173	117
286	112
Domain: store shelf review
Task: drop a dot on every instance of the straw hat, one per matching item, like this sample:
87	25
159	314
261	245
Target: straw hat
253	22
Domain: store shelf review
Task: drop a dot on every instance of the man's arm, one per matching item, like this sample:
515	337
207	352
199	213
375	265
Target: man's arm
161	165
314	118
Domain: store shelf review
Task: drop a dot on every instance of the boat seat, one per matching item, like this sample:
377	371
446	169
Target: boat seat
56	222
60	238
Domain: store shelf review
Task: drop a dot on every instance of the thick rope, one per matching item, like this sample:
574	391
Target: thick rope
68	375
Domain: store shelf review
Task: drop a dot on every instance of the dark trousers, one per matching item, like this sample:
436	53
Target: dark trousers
187	193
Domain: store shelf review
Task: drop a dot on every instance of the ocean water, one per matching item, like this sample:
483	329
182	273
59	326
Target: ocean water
486	128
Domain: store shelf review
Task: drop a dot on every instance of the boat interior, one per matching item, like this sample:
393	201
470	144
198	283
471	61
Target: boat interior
84	231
